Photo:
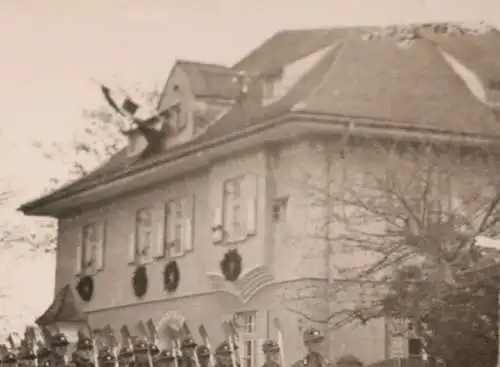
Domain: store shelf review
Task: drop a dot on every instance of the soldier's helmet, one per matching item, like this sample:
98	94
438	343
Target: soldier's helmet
224	349
9	357
202	351
125	352
84	343
188	342
106	358
140	346
270	346
312	335
59	340
166	355
154	350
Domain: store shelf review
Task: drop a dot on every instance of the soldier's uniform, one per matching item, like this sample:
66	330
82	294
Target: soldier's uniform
84	355
126	356
223	355
188	348
154	352
43	356
203	354
106	358
141	351
59	345
312	338
9	360
166	358
271	349
28	357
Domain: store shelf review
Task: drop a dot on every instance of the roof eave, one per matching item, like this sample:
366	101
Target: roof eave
254	135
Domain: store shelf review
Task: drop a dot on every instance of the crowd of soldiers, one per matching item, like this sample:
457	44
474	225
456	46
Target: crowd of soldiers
89	351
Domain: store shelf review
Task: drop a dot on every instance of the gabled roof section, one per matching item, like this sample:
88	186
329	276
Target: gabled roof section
210	80
62	309
291	45
251	110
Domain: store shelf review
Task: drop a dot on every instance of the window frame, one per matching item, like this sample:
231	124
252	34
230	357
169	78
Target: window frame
89	246
177	216
143	254
234	202
249	337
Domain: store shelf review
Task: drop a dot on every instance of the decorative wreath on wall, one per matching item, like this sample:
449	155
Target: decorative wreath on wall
85	288
140	281
231	265
171	276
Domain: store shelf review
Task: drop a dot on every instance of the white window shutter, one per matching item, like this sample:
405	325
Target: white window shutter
78	250
217	227
170	225
100	246
132	245
158	245
251	204
188	212
188	235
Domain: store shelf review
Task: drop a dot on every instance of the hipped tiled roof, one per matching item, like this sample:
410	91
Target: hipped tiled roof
62	309
370	73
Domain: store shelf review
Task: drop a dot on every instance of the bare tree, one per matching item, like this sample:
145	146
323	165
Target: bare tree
384	204
92	144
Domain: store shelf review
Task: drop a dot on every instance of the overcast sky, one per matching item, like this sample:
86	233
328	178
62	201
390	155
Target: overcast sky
50	49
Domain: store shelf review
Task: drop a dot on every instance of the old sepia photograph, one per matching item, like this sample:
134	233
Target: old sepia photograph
238	183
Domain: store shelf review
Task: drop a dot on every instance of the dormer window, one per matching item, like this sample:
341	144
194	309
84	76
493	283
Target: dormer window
270	87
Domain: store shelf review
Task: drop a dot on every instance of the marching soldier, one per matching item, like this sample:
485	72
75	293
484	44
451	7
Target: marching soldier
223	356
27	357
106	358
9	359
203	354
126	356
141	353
166	358
59	348
83	357
313	341
271	351
154	352
188	349
43	356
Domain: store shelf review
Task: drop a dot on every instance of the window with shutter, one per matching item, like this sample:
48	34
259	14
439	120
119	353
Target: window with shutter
175	228
250	187
247	322
234	217
90	246
100	247
78	252
188	211
158	250
144	234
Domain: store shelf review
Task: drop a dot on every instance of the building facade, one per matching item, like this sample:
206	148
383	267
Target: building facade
241	178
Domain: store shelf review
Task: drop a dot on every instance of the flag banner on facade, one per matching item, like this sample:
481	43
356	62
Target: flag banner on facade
125	106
